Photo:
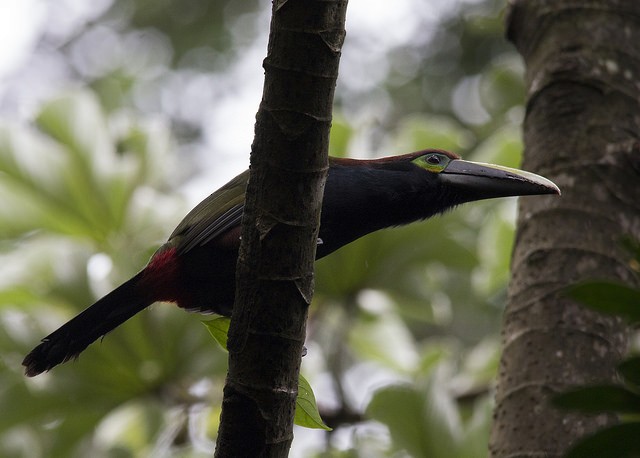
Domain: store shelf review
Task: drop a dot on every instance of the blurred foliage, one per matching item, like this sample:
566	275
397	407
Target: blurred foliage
80	214
189	25
425	420
307	414
622	399
403	330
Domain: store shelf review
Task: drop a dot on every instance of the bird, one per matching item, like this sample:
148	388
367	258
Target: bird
196	267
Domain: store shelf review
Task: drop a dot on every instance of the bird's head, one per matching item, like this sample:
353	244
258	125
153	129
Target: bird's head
363	196
470	181
401	189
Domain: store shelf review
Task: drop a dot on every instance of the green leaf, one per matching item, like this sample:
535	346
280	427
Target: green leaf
32	189
477	430
424	422
596	399
20	295
401	408
307	414
501	86
495	243
415	131
219	329
77	123
608	297
503	146
620	441
341	133
370	340
630	370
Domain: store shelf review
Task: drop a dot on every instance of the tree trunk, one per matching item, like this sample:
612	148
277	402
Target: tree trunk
280	226
582	130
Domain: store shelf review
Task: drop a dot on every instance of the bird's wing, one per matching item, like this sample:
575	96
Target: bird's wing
212	217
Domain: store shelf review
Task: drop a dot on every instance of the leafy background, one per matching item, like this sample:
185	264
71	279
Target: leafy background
126	113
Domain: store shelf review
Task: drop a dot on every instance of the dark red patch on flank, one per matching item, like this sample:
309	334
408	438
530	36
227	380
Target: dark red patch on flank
160	278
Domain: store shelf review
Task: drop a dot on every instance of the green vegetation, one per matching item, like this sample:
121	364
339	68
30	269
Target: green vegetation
403	329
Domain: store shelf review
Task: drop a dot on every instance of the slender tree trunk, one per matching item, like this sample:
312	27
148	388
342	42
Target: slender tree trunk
582	130
280	226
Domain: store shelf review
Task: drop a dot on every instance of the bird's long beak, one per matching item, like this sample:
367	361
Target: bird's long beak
486	181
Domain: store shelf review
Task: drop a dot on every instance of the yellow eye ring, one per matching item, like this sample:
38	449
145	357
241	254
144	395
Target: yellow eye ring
433	162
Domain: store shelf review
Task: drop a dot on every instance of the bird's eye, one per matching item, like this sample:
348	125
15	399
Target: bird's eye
433	162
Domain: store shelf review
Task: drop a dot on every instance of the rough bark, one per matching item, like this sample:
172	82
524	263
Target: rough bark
280	225
582	130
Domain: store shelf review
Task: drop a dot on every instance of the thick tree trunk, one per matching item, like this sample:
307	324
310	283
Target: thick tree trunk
582	130
280	226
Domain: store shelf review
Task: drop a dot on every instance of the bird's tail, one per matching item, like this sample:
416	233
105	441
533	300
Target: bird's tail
94	322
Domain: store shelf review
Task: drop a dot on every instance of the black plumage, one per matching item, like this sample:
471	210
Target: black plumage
196	266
